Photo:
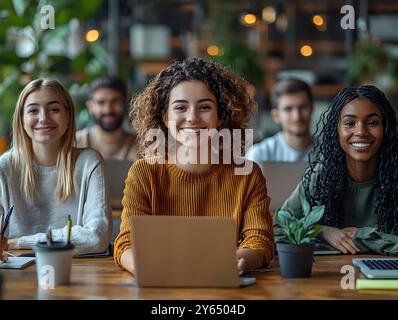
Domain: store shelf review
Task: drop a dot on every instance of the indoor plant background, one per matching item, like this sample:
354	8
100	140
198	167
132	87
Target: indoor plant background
222	30
371	62
27	51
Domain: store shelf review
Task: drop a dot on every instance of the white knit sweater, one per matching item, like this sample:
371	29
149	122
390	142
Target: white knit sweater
88	207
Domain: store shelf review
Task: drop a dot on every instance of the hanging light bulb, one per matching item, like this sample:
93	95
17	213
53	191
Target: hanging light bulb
248	19
269	14
306	50
92	35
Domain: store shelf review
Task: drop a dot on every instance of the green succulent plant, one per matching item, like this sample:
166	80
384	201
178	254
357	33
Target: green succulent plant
300	230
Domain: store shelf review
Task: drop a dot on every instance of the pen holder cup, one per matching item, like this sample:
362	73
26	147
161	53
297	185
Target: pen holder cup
53	264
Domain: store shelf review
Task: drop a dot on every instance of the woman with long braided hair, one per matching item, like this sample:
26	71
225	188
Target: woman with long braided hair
353	168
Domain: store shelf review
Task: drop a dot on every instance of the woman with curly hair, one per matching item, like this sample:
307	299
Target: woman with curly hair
187	101
354	168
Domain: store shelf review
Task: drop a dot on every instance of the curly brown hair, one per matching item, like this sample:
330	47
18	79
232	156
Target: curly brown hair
234	104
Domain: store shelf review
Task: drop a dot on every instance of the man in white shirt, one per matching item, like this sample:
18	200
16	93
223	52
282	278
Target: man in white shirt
292	106
107	106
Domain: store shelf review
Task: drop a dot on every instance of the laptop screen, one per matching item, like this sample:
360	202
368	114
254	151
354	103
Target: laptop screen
184	251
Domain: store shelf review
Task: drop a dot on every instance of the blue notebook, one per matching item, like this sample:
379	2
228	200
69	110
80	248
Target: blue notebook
17	262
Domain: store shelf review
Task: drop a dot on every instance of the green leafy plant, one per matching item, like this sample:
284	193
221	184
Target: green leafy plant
370	61
242	60
303	230
50	54
223	30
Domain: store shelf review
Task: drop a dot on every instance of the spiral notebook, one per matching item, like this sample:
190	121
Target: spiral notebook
17	262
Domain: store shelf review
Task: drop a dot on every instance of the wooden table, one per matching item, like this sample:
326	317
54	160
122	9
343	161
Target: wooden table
99	278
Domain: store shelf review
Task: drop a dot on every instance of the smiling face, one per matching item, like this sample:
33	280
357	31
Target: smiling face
45	118
293	113
360	131
191	112
107	108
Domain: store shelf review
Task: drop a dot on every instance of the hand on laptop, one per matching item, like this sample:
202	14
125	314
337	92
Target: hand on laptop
241	265
247	259
341	239
3	247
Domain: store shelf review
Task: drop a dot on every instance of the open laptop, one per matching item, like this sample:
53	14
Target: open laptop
282	178
115	174
174	251
378	268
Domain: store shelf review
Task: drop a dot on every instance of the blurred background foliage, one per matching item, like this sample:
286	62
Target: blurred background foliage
27	51
235	53
261	51
371	62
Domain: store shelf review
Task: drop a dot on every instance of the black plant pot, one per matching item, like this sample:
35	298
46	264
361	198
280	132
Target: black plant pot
295	260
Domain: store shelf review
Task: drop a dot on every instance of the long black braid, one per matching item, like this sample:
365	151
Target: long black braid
329	160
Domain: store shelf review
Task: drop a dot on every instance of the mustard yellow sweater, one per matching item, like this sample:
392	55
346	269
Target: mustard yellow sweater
164	189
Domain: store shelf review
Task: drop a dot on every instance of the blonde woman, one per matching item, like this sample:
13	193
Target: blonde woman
183	101
46	178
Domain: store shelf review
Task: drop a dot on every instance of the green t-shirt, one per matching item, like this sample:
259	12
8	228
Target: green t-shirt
359	202
359	205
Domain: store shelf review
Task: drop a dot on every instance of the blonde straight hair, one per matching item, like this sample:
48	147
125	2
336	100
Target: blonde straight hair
22	151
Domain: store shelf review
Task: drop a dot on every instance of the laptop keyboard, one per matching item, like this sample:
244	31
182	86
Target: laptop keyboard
391	264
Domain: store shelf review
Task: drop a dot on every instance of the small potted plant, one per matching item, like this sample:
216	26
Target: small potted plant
295	240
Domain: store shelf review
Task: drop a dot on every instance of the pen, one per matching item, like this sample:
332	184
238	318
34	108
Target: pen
69	223
1	221
49	237
6	221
